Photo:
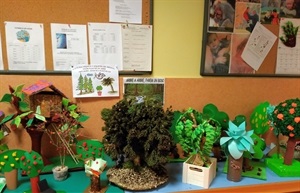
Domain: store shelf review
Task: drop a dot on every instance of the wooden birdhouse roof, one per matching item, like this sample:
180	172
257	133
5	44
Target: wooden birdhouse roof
42	85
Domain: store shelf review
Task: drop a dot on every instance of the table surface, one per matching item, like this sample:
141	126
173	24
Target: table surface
77	182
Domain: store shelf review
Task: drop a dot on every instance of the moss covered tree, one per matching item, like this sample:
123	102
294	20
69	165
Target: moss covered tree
137	133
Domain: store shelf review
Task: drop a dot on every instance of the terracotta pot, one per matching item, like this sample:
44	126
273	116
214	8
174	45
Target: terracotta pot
235	169
11	179
60	173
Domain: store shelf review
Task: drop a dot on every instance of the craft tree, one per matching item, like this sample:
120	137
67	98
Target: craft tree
197	135
92	151
237	141
23	116
32	164
138	132
286	121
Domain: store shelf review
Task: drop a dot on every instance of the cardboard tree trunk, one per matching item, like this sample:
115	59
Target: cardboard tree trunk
234	169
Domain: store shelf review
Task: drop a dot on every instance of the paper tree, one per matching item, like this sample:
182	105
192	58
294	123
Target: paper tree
235	144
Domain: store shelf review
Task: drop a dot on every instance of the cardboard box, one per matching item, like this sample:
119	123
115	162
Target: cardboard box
197	175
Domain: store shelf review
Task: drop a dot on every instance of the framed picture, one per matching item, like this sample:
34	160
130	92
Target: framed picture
249	38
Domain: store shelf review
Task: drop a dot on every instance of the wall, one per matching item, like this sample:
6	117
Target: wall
176	56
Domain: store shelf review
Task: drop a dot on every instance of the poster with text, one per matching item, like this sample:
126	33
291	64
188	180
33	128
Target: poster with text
95	81
145	87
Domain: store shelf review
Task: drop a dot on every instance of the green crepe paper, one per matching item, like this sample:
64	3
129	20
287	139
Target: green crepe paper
258	171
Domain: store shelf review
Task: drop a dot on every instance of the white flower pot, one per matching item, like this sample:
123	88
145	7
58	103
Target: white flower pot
60	173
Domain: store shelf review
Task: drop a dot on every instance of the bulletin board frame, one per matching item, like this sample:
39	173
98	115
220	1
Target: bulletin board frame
234	35
62	12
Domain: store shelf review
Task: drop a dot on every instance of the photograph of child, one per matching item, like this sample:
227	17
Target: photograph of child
246	16
290	8
237	64
221	15
217	53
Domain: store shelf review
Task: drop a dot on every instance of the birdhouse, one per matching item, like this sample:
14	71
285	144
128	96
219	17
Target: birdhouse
45	95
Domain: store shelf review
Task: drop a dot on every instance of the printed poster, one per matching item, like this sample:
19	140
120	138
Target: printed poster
25	46
95	81
145	87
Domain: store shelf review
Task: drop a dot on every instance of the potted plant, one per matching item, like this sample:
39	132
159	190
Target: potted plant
99	90
196	136
237	141
138	139
285	120
62	133
32	164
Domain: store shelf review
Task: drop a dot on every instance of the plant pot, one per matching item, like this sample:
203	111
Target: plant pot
60	173
99	93
11	179
199	175
234	169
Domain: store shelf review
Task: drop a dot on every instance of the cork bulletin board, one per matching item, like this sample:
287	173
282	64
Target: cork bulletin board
230	25
58	11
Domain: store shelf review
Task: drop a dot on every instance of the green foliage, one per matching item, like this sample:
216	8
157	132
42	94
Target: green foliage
10	159
90	149
32	163
99	87
23	115
211	111
286	117
139	132
259	119
197	134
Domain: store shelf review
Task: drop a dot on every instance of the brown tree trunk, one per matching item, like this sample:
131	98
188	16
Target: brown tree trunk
95	184
247	164
234	171
290	148
36	142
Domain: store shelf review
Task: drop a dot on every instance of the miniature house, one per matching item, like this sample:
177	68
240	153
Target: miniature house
45	95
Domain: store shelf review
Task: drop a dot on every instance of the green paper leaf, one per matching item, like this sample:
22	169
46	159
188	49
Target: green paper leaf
6	98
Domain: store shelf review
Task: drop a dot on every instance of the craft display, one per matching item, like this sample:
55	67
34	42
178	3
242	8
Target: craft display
137	137
237	142
140	141
285	120
92	151
196	136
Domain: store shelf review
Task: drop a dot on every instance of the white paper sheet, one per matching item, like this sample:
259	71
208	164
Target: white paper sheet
105	44
69	45
1	56
137	47
95	81
25	46
126	11
258	46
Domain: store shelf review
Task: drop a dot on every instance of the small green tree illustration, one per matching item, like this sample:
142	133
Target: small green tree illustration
108	82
